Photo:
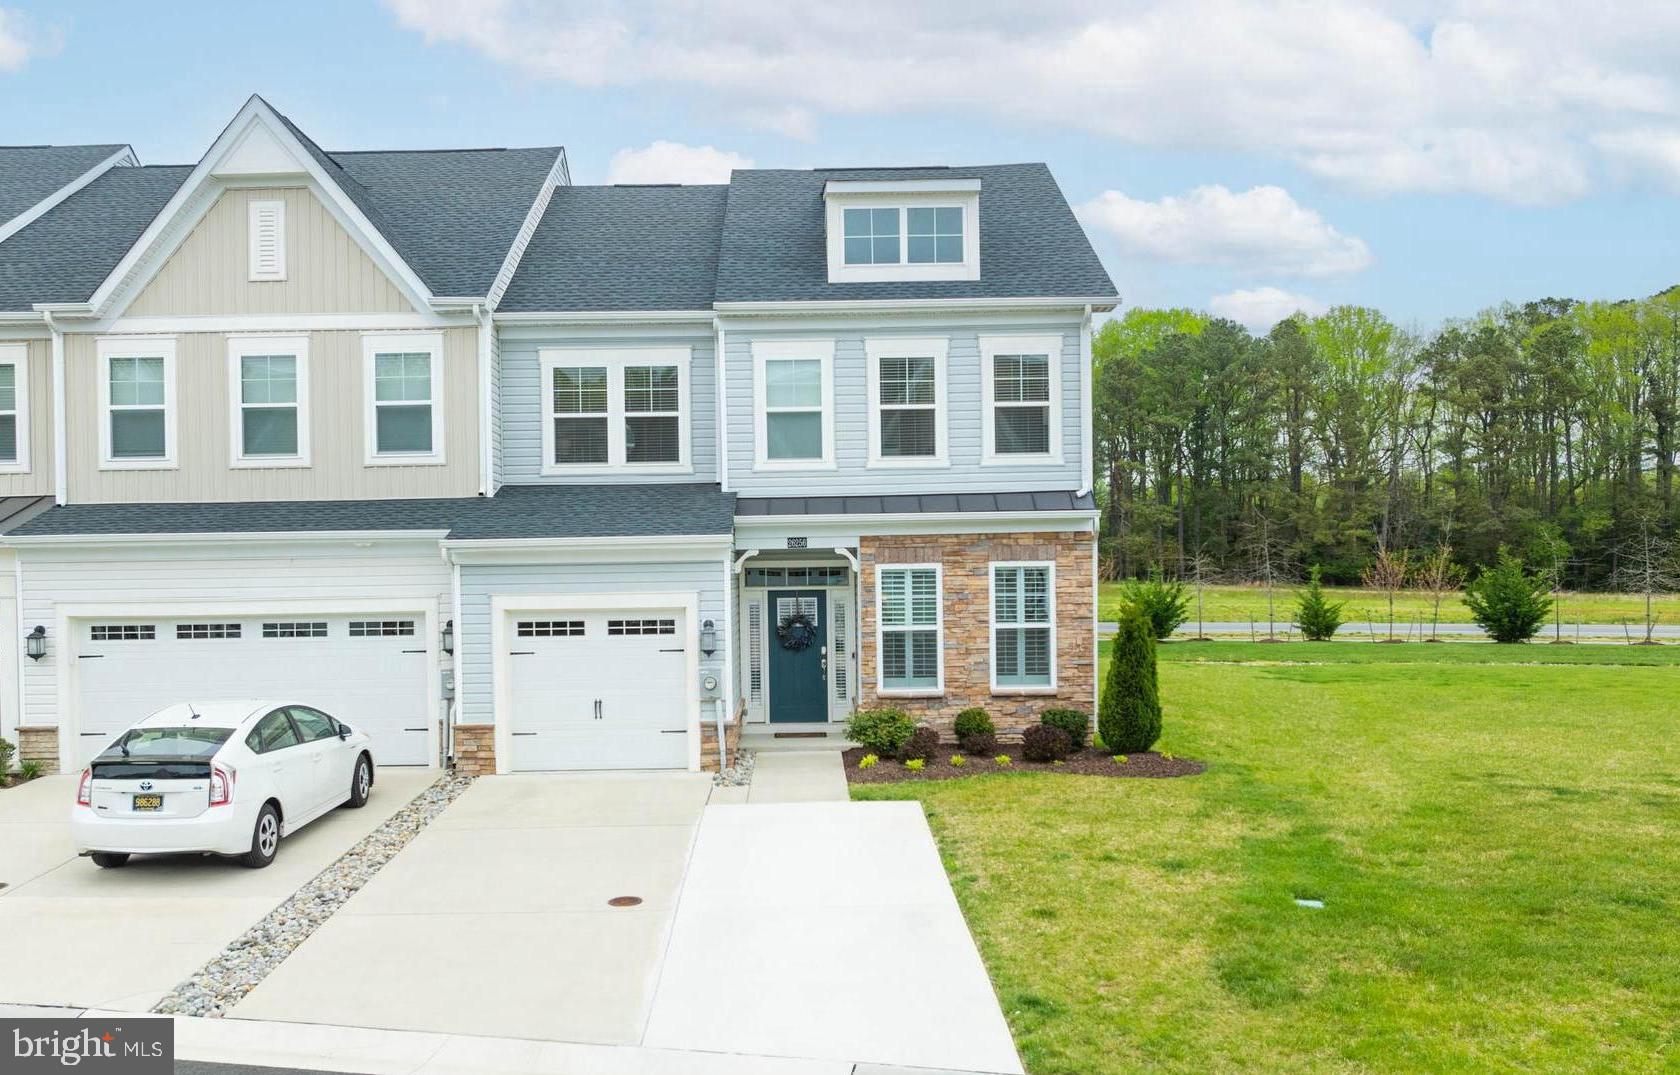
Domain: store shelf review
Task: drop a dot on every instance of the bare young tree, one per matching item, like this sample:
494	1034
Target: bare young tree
1438	575
1269	563
1647	566
1388	574
1202	571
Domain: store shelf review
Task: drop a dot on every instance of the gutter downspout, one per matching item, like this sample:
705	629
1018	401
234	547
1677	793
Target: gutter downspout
727	702
486	415
1087	377
721	364
17	645
455	662
61	435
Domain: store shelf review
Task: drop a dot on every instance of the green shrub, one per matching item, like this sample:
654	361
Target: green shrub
1129	720
1318	617
6	752
1509	603
869	761
1164	604
883	731
958	761
915	765
29	770
1075	722
922	745
1003	761
975	733
1045	742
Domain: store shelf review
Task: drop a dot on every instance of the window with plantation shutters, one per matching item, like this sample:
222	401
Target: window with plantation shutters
1023	625
755	653
910	627
268	240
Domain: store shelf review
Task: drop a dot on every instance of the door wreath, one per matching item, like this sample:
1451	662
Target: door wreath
796	631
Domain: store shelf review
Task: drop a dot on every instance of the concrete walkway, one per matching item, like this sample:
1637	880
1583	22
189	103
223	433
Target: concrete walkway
804	776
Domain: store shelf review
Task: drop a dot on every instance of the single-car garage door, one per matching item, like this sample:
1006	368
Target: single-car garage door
368	671
598	690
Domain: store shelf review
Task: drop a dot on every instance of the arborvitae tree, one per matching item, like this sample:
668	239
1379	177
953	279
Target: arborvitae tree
1164	603
1317	616
1130	717
1509	603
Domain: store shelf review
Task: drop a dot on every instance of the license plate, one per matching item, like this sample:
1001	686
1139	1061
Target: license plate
148	802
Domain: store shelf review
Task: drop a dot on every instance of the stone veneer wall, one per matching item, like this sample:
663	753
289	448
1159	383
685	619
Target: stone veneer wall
475	749
967	560
731	739
39	745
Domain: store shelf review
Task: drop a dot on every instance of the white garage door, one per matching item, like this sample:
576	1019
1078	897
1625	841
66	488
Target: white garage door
598	690
368	671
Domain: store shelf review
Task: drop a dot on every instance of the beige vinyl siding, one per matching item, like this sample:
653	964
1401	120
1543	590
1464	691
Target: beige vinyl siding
337	429
39	479
327	272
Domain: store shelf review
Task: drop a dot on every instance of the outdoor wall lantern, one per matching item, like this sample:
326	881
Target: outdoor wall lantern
449	637
708	638
35	643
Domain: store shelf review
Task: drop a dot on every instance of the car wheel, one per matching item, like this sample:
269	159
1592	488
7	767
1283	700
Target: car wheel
361	783
109	860
265	838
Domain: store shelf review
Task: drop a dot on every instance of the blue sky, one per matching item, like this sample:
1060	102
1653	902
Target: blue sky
1426	158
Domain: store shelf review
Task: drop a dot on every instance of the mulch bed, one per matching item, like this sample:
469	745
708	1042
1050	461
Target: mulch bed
1085	763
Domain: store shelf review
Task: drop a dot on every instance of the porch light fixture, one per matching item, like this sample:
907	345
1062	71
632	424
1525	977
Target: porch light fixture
449	637
35	643
708	638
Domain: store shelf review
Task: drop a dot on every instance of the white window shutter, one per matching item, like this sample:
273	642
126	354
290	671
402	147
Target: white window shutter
842	650
755	653
268	240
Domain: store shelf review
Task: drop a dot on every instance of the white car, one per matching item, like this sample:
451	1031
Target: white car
220	778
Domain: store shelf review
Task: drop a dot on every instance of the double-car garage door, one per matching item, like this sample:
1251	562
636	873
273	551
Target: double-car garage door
370	671
597	690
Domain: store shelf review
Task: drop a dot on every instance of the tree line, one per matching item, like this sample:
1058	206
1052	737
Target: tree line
1549	429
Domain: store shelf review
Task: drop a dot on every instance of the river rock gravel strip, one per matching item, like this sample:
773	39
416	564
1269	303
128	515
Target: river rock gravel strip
224	981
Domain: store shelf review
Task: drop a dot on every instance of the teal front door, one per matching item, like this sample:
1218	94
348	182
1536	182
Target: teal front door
798	661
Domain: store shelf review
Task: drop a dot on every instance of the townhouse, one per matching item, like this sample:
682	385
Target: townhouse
531	476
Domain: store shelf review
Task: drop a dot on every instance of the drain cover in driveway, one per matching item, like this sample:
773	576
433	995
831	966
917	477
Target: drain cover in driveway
624	901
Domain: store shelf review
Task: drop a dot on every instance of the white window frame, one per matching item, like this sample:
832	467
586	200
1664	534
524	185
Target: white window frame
913	194
935	347
256	273
764	351
163	347
881	631
990	348
238	348
991	618
16	355
374	344
615	361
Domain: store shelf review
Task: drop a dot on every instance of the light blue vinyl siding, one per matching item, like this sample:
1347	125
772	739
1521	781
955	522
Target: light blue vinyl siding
851	420
496	467
522	412
479	583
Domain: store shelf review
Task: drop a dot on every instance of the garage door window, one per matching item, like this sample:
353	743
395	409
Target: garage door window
642	627
123	632
288	629
550	628
381	628
188	631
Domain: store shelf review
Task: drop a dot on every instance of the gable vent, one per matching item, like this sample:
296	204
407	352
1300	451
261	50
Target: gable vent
268	240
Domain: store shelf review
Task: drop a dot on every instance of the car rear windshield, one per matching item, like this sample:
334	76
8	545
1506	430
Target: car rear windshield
176	743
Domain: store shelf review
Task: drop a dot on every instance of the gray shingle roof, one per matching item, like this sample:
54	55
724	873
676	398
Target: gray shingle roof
623	248
912	504
1031	246
517	511
66	254
31	174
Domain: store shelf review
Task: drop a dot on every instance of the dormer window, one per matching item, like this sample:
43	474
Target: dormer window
917	229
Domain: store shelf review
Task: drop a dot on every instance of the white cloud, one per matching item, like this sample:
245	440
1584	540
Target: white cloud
1263	231
1258	309
1385	95
673	162
1652	154
15	41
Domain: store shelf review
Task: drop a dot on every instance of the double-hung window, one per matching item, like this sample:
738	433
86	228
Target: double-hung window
14	407
793	390
620	408
924	228
1023	625
931	235
1023	399
907	419
268	383
136	403
910	627
403	386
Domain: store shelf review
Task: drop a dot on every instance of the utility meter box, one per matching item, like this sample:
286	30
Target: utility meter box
709	684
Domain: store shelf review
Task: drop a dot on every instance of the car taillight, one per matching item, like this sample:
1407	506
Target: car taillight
221	786
84	790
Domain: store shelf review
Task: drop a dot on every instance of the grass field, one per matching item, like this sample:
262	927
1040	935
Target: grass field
1493	831
1244	603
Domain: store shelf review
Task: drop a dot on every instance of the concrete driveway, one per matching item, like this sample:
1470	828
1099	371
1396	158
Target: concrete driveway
77	935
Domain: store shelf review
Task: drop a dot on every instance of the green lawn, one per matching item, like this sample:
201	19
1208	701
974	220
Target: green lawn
1497	842
1243	603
